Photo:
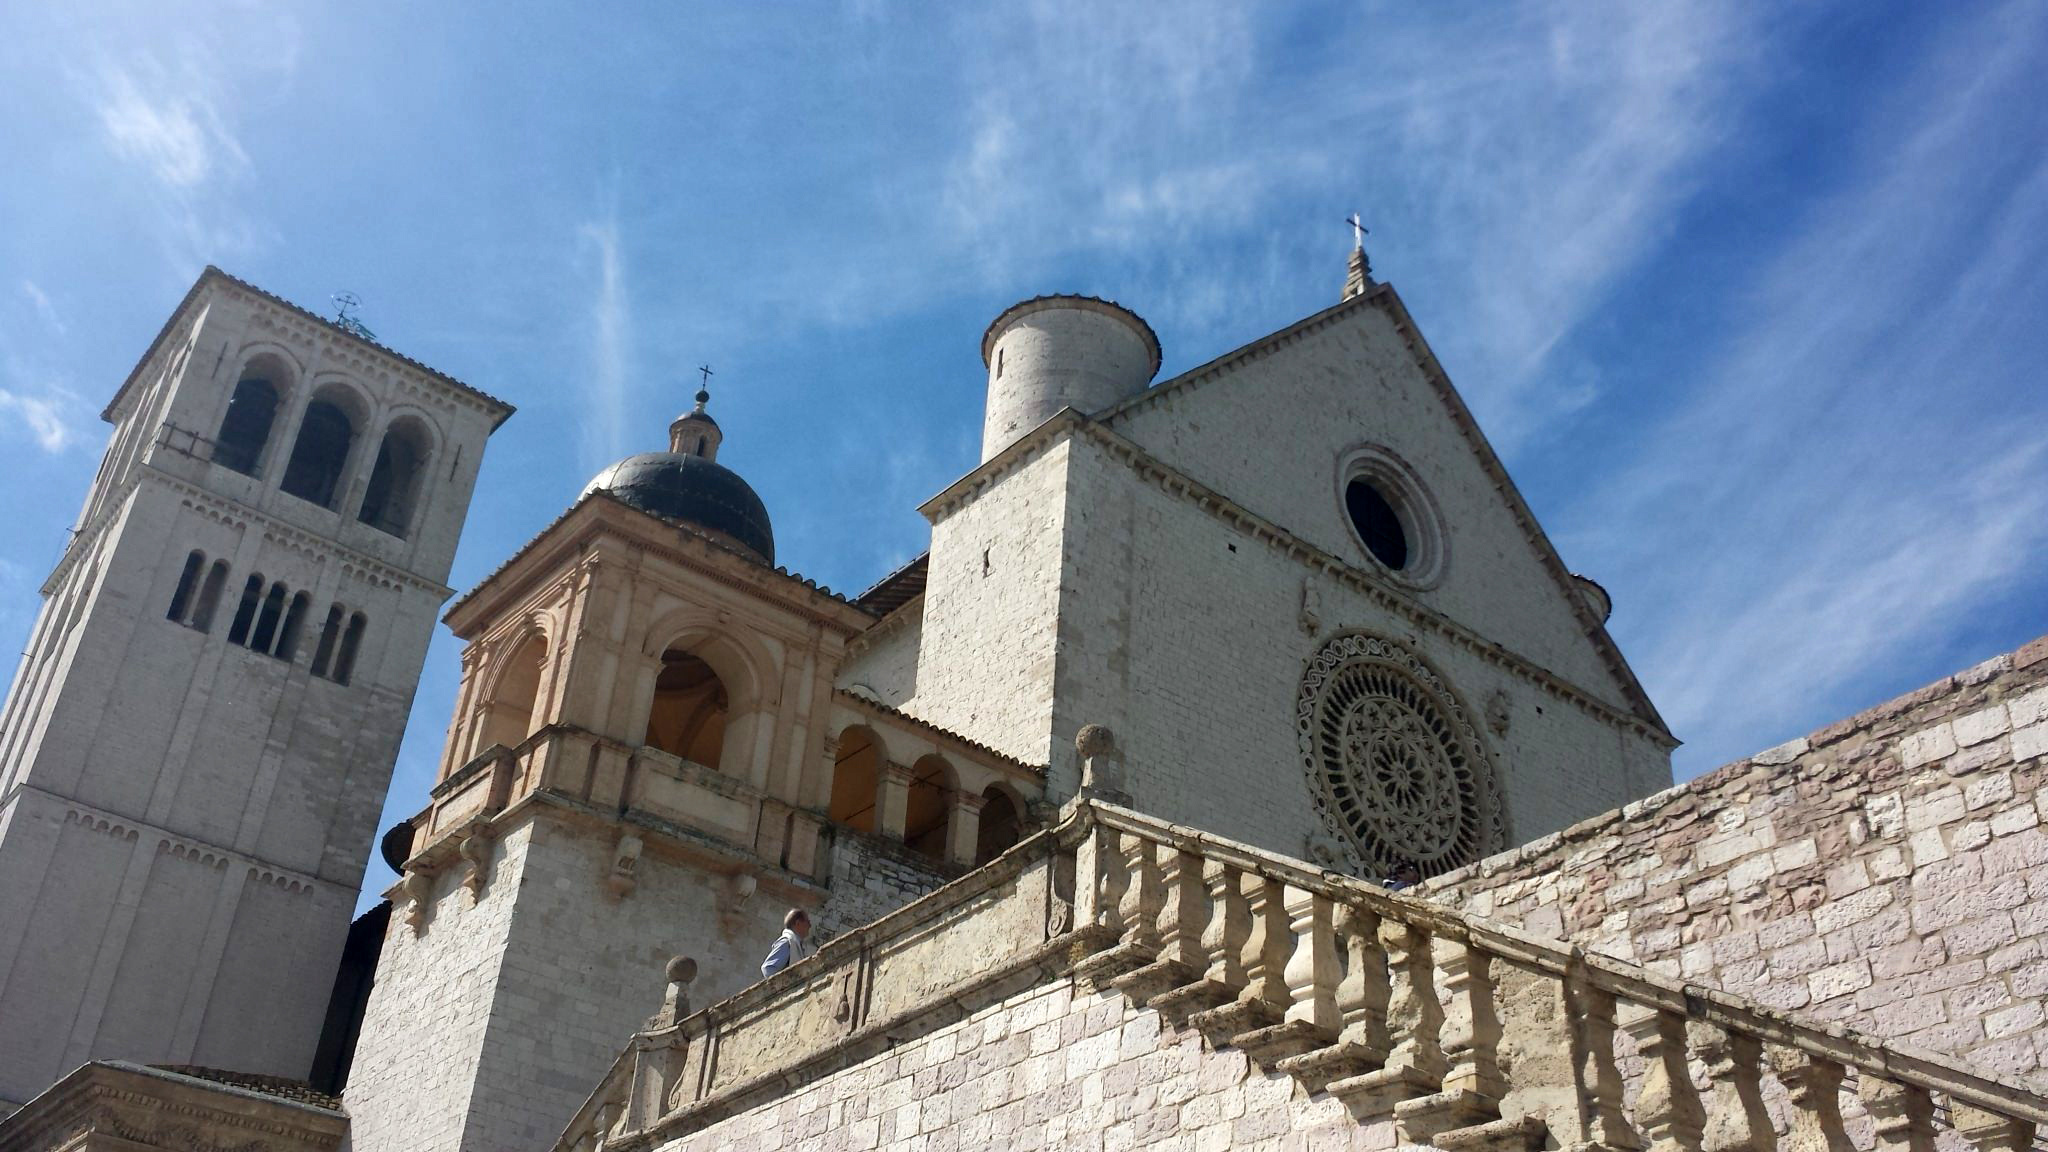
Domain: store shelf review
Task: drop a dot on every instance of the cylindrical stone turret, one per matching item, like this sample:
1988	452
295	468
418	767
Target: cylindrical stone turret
1055	352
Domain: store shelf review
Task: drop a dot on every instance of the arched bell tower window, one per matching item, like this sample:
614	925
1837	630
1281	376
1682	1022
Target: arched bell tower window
253	409
395	478
515	700
326	433
689	712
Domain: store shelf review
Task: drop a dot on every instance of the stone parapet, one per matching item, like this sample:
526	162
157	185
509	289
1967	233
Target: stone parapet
111	1106
1885	872
1429	1025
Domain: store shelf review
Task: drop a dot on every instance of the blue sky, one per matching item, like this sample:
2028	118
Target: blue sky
1750	296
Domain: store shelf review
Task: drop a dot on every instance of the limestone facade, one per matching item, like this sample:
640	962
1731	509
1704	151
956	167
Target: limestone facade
1170	566
196	748
578	838
1885	872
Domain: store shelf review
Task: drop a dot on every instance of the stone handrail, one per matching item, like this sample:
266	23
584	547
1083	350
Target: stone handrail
1392	1005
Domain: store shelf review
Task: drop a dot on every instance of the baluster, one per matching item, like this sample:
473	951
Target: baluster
1362	997
1230	925
1470	1038
1668	1111
1600	1083
1360	1003
1264	959
1735	1117
1414	1018
1222	942
1177	945
1312	969
1099	881
1814	1086
1415	1065
1181	921
1987	1131
1904	1114
1142	898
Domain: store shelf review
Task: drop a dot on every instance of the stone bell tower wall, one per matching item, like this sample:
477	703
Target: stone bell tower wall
1888	872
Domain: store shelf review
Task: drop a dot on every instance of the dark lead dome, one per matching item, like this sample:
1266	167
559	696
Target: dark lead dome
692	490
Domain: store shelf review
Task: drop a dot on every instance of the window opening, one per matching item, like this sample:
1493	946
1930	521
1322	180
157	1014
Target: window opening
926	810
516	698
330	635
188	583
1000	828
294	620
209	595
246	427
265	635
1378	525
351	639
856	773
245	613
688	716
394	480
319	453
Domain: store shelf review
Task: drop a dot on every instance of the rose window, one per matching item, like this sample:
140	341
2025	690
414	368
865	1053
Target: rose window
1395	768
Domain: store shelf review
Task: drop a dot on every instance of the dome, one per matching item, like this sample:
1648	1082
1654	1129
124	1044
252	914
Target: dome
692	490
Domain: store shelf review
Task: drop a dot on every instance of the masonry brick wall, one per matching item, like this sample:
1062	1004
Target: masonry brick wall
1886	872
1050	1068
872	877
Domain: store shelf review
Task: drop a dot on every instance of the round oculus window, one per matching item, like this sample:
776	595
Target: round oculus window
1391	515
1396	770
1376	523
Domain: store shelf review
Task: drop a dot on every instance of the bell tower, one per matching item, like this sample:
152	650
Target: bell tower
197	743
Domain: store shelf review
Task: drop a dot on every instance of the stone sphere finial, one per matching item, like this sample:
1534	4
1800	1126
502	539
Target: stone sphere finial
681	970
1095	740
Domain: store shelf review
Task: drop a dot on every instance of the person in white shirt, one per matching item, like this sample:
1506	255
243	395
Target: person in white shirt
789	947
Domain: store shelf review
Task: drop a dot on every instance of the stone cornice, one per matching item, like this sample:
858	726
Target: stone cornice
323	331
158	1108
1378	589
911	609
596	516
173	844
224	508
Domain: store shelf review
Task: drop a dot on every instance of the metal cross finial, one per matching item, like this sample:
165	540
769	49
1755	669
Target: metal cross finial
705	369
1358	229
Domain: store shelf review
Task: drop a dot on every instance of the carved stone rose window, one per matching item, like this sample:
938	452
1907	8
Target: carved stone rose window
1396	769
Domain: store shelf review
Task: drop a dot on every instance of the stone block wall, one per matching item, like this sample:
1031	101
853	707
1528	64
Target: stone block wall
1888	872
871	877
1049	1068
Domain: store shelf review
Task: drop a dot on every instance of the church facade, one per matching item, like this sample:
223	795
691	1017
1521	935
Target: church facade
1188	670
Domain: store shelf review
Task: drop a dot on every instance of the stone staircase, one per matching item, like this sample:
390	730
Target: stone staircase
1466	1035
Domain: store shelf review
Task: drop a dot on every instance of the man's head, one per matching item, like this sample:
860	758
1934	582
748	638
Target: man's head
798	921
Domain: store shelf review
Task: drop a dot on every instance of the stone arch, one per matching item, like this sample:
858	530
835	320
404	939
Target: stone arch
266	378
857	777
513	694
399	475
330	427
927	810
1001	823
743	671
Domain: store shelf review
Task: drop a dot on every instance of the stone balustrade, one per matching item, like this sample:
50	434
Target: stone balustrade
1467	1034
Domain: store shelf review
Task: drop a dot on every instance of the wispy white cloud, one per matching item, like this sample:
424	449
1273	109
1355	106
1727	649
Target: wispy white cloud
604	423
45	310
51	416
1850	477
171	128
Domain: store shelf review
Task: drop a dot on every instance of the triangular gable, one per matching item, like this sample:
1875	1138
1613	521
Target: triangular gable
1192	393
